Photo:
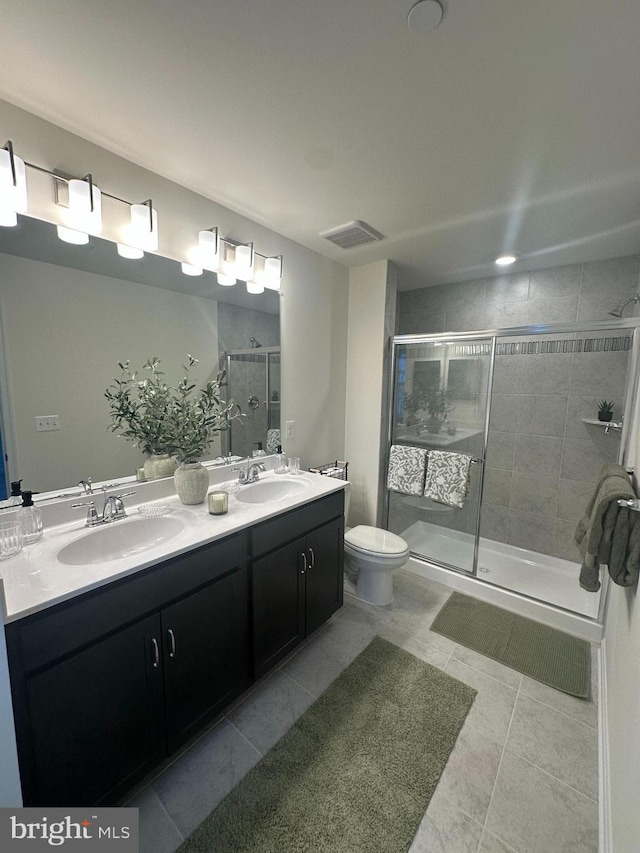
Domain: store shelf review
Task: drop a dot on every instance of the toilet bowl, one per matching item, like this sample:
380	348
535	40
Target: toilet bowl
374	554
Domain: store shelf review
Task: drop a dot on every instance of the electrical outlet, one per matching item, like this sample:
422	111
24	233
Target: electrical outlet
289	429
46	423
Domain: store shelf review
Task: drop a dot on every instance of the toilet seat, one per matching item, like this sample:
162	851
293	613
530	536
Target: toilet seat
375	541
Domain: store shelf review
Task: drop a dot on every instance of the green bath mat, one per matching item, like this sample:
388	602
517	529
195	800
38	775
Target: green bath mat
543	653
356	771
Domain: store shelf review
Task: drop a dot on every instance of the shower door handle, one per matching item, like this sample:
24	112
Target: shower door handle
633	504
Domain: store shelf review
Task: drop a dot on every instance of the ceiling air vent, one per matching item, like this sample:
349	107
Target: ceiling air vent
352	234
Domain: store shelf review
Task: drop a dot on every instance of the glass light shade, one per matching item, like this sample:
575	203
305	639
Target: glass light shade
272	273
70	235
244	262
129	252
13	198
142	233
226	280
255	287
191	269
208	250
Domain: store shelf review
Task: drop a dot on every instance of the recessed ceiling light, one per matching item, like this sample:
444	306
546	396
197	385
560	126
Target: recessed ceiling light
505	260
425	16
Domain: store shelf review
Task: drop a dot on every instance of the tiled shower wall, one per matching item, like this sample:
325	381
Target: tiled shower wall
542	459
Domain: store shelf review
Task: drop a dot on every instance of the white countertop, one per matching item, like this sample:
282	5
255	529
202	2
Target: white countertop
35	579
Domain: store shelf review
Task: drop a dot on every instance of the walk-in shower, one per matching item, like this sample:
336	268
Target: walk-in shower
523	404
253	382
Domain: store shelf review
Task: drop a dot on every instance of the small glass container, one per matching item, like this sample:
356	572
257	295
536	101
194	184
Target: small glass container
218	503
140	474
10	538
294	464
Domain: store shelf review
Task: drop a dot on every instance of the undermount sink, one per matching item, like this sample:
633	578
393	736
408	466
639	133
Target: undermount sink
270	491
119	539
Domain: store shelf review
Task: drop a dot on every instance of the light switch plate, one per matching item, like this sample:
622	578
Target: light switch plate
289	429
46	423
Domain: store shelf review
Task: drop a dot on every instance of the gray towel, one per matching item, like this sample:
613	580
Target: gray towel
594	533
627	573
617	556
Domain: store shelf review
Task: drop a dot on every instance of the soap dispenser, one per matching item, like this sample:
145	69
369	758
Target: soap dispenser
30	519
259	451
280	466
15	498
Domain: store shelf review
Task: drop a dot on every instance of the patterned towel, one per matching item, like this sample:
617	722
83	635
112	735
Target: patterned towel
273	440
447	478
406	469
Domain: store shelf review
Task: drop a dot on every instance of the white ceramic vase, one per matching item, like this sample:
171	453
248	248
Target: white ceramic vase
158	465
192	482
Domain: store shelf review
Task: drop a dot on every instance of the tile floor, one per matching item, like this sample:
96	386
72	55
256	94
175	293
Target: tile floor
522	777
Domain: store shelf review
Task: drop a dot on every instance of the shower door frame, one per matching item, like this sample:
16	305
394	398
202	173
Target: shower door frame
225	358
631	324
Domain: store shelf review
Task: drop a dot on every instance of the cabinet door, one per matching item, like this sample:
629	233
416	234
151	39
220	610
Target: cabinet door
324	583
206	654
278	604
96	719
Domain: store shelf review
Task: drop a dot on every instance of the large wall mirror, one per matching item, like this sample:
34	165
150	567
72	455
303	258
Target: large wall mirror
70	313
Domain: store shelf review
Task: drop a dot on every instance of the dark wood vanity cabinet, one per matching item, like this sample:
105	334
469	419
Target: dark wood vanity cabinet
295	586
109	683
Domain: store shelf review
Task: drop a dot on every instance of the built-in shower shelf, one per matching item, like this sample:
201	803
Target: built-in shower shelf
611	424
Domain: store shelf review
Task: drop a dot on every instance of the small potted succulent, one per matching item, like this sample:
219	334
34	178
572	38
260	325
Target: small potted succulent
605	411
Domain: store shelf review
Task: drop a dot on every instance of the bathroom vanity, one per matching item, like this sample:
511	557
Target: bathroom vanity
114	668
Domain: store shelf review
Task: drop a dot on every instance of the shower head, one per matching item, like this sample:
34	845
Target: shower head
617	311
254	343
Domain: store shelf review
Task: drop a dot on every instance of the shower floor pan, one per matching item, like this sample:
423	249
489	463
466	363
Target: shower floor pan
550	580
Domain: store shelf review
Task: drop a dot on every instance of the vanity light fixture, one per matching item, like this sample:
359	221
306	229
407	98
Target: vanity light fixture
245	259
505	260
191	269
142	232
13	186
83	213
227	272
268	271
208	250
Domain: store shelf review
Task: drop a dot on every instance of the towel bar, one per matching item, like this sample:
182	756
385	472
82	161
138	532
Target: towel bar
634	504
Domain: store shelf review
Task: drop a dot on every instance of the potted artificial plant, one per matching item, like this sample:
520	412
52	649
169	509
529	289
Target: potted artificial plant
186	420
437	405
605	411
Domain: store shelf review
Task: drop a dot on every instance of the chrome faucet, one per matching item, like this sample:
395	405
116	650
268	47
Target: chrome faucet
113	509
87	486
250	473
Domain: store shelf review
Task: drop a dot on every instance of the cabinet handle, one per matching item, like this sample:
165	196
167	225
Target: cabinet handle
304	560
172	643
313	558
156	653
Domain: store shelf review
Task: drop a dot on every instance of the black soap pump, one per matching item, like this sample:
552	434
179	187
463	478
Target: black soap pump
15	498
280	466
30	519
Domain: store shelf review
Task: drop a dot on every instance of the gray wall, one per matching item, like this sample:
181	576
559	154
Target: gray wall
542	460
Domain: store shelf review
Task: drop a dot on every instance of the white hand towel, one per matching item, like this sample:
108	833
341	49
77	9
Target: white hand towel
406	469
447	479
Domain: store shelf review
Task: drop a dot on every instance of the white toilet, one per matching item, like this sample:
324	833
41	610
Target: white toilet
374	554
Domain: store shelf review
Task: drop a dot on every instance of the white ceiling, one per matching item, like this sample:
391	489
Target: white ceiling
515	126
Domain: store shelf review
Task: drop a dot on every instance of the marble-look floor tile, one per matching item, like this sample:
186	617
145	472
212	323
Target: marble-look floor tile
468	779
270	711
559	744
494	668
352	628
490	844
318	663
194	785
493	706
158	833
585	710
421	645
445	829
535	813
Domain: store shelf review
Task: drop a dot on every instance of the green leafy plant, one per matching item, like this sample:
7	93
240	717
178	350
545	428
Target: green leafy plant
160	418
605	406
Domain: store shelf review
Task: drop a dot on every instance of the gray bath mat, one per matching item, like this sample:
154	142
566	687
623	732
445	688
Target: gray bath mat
357	770
542	653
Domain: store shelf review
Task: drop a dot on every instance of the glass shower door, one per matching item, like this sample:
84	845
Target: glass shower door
441	397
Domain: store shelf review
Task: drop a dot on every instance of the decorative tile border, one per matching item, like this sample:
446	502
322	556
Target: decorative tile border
566	345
